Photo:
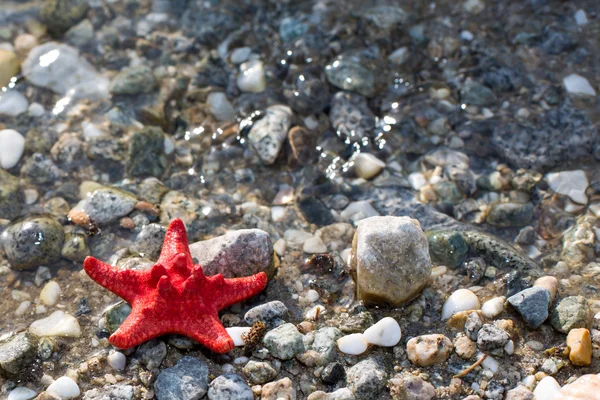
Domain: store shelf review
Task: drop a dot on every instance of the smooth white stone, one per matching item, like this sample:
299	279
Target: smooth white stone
227	368
353	344
312	295
13	103
466	35
546	389
577	84
384	333
64	387
296	238
22	309
117	360
346	254
21	393
493	307
566	181
252	77
240	360
489	363
461	300
314	245
236	333
362	209
311	314
279	247
417	180
578	196
12	145
220	106
58	323
367	165
284	196
35	110
529	381
399	56
509	348
277	213
580	17
50	293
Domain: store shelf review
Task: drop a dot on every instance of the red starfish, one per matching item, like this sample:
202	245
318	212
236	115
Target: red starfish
174	296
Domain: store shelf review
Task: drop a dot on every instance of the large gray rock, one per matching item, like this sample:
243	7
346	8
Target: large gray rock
237	253
391	258
284	342
32	242
108	204
229	386
16	353
367	379
187	380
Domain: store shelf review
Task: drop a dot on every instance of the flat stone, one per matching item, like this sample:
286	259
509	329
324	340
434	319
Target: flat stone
532	304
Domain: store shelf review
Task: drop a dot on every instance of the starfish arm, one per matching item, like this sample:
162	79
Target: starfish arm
234	290
175	243
208	330
138	327
124	283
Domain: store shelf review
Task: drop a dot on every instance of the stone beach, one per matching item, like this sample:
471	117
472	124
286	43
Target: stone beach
419	181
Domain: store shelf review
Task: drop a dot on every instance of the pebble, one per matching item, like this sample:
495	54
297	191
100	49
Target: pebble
50	293
408	386
546	389
188	379
13	103
278	390
571	312
580	343
252	77
110	392
146	153
340	394
532	304
427	350
229	386
17	352
460	300
347	73
284	342
268	134
116	360
367	379
60	15
32	242
464	347
417	180
568	183
9	66
490	338
352	344
447	248
384	333
367	166
580	17
259	372
149	241
549	283
220	107
236	332
359	210
21	393
580	389
323	343
333	373
507	215
493	307
12	145
272	313
240	54
578	85
314	245
391	258
58	323
64	387
132	81
60	68
351	116
109	204
312	295
472	325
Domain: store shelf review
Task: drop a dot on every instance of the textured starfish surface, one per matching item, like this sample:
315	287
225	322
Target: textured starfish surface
174	296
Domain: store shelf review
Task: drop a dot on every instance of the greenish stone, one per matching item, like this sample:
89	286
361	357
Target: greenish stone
447	248
75	247
448	192
134	80
146	155
152	190
284	342
347	73
570	313
116	315
10	197
475	94
496	252
60	15
357	323
16	353
45	348
507	215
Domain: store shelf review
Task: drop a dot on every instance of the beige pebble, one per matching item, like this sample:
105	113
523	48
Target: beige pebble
550	283
429	350
580	343
464	347
458	319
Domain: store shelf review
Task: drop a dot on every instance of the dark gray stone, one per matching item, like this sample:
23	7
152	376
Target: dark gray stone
150	240
11	199
132	81
532	304
447	248
109	204
475	94
187	380
271	314
510	214
333	373
146	154
60	15
152	353
490	338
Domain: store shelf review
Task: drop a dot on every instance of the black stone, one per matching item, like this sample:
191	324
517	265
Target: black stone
315	211
333	373
516	283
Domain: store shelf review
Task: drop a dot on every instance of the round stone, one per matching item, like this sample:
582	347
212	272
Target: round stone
229	386
353	344
116	360
367	165
50	293
428	350
460	300
384	333
12	145
64	387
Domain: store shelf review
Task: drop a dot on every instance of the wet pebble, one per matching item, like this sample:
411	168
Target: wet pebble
12	145
447	248
133	80
50	293
60	15
58	323
10	196
268	134
32	242
351	116
220	106
367	165
146	153
12	104
108	204
252	77
229	386
9	66
149	241
347	73
75	247
510	214
188	379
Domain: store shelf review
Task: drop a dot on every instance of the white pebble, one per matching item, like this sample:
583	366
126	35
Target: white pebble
296	238
279	247
21	393
578	85
236	333
90	130
12	145
346	255
384	333
509	348
417	180
252	77
277	213
50	293
312	295
580	17
367	165
116	360
13	103
314	245
58	323
547	389
461	300
311	314
466	35
493	307
353	344
35	110
490	363
358	210
220	106
240	360
168	145
22	308
64	387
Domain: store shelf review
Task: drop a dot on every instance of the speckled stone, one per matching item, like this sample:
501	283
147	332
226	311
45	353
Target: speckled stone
284	342
75	247
532	304
11	199
32	242
447	248
108	204
187	380
367	379
571	312
497	252
229	386
268	134
146	154
16	353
